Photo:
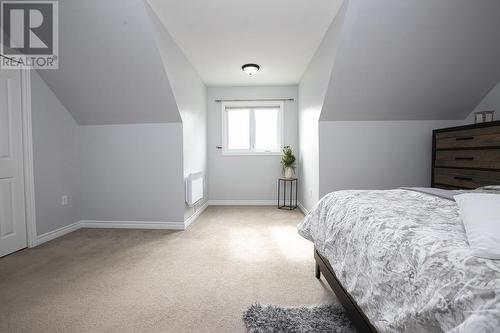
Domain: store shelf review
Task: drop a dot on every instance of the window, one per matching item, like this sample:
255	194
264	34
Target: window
252	128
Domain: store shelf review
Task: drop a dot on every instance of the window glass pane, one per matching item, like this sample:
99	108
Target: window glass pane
266	129
238	129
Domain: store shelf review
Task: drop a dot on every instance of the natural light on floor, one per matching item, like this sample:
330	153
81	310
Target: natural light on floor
254	245
290	244
248	244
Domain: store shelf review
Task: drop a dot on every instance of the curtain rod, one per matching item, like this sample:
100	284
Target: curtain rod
286	99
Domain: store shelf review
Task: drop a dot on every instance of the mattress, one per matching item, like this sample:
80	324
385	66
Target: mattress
404	258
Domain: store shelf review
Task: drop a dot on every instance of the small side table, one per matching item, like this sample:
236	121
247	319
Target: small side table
292	202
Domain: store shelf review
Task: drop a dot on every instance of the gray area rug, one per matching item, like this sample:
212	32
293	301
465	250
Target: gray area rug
317	318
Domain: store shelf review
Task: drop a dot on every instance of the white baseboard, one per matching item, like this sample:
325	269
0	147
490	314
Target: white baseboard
151	224
242	202
48	236
109	225
303	209
132	225
193	217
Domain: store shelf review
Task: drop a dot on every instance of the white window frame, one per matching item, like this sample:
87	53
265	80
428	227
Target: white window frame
252	106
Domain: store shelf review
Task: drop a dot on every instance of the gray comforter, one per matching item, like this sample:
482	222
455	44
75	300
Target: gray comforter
404	257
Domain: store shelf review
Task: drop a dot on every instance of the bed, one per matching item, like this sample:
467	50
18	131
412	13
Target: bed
399	261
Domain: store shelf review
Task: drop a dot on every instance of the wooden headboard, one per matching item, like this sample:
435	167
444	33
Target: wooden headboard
466	157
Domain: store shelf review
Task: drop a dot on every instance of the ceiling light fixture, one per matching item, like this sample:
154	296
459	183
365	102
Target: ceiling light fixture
250	69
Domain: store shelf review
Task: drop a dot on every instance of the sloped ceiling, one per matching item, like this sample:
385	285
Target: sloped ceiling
416	59
110	70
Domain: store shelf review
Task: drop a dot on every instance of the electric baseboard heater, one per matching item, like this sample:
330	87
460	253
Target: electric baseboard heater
194	188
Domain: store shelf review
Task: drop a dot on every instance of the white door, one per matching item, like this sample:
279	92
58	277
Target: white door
12	211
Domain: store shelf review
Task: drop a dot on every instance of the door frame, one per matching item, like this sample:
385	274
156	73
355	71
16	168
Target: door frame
29	178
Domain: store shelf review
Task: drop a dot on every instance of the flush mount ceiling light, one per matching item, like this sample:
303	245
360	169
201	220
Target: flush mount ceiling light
250	69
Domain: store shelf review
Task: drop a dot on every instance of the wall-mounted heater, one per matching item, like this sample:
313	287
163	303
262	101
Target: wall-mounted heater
194	188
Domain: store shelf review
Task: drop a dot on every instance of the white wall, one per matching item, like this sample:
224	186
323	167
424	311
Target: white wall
55	155
312	90
376	154
191	96
490	103
246	177
131	173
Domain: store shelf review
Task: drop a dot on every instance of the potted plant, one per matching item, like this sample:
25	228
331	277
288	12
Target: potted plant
288	162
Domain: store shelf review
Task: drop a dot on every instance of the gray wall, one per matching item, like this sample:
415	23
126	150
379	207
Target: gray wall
191	96
134	152
490	103
131	173
246	177
55	158
376	155
389	88
312	90
414	60
109	65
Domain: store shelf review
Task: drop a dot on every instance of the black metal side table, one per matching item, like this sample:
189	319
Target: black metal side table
292	201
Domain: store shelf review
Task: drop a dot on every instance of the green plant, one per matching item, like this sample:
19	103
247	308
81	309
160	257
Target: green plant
288	158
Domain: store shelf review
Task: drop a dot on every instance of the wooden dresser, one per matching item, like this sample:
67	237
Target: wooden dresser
466	157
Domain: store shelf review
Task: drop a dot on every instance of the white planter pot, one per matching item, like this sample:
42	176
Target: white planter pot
289	173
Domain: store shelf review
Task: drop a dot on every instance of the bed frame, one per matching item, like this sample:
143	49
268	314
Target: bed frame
357	315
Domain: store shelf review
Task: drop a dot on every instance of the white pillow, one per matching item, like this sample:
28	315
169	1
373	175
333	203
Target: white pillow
480	214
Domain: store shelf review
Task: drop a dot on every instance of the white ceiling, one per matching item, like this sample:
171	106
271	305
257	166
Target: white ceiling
219	36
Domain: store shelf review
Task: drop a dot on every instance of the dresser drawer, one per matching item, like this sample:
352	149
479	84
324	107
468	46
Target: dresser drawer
463	178
476	137
470	158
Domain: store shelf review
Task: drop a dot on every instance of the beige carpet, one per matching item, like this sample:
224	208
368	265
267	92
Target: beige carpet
199	280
